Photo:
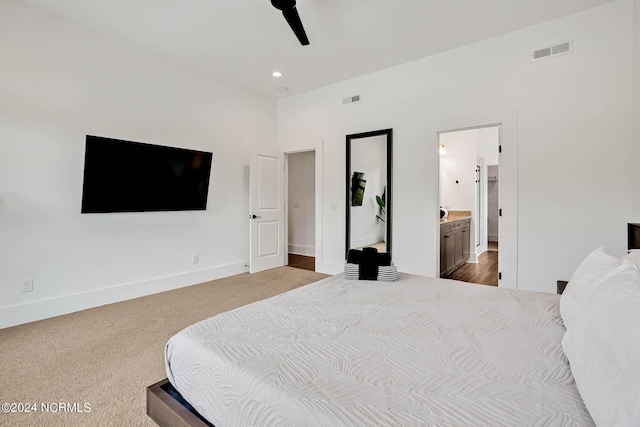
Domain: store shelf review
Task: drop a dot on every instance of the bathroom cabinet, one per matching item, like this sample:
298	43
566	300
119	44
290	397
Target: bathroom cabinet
454	244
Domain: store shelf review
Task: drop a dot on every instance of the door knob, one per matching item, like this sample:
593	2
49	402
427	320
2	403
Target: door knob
254	216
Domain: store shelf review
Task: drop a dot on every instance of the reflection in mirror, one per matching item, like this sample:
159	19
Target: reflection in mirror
368	209
358	184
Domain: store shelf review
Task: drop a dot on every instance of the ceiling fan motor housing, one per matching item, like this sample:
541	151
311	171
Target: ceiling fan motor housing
283	4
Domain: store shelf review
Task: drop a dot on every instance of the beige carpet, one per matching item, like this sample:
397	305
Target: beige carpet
107	356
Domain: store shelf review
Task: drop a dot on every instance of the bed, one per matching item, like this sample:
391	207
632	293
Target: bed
420	351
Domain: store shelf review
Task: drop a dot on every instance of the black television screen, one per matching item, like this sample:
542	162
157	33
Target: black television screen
125	176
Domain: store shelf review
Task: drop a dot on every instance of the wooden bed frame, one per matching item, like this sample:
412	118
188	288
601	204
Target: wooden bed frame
166	411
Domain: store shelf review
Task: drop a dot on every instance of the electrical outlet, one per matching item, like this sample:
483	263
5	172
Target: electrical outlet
333	206
195	258
27	285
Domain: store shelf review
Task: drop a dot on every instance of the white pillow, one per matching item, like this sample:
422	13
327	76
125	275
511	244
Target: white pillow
594	270
603	348
634	257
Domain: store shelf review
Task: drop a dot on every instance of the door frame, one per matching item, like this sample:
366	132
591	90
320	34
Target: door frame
474	216
508	161
317	202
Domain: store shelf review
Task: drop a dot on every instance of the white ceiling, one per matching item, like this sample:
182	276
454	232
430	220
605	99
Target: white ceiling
244	41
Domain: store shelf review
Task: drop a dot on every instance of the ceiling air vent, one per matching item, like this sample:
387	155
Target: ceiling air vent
350	99
552	51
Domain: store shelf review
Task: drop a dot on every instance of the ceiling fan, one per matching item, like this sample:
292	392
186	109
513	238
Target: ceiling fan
290	13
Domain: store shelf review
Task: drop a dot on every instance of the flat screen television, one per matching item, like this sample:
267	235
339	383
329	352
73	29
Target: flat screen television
126	176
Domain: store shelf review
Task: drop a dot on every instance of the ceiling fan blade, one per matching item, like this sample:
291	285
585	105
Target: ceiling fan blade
293	18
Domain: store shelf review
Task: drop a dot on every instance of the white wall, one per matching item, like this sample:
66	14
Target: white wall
302	203
458	170
369	156
566	137
59	83
488	142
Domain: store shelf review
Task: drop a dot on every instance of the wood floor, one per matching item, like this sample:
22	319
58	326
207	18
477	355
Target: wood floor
485	272
301	261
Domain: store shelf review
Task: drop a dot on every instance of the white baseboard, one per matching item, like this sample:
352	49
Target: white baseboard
302	250
56	306
366	241
492	237
472	257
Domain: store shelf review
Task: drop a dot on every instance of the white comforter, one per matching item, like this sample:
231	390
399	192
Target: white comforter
420	351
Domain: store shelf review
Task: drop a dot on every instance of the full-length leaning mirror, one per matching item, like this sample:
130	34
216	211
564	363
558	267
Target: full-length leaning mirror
368	190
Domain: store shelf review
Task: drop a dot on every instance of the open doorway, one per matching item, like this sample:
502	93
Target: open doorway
301	209
466	222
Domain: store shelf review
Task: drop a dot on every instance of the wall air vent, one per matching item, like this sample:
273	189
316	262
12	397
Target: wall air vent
541	53
552	51
351	99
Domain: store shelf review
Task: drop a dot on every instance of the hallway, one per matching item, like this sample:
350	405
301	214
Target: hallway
301	261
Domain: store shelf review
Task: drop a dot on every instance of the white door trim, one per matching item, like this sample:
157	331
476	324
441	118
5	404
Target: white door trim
507	119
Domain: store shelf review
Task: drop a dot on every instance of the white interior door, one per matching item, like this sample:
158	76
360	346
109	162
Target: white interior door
267	212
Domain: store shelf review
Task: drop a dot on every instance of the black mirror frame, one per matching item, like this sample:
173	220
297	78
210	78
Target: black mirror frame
389	134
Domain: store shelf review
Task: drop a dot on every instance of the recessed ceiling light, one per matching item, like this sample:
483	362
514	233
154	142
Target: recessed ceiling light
283	89
277	74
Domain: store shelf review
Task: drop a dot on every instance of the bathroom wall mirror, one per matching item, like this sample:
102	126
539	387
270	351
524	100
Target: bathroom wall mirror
368	190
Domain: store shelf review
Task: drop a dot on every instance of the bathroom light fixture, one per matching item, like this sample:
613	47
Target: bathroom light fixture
442	149
276	74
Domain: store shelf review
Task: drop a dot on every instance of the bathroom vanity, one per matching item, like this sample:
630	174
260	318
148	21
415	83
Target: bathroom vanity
454	243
